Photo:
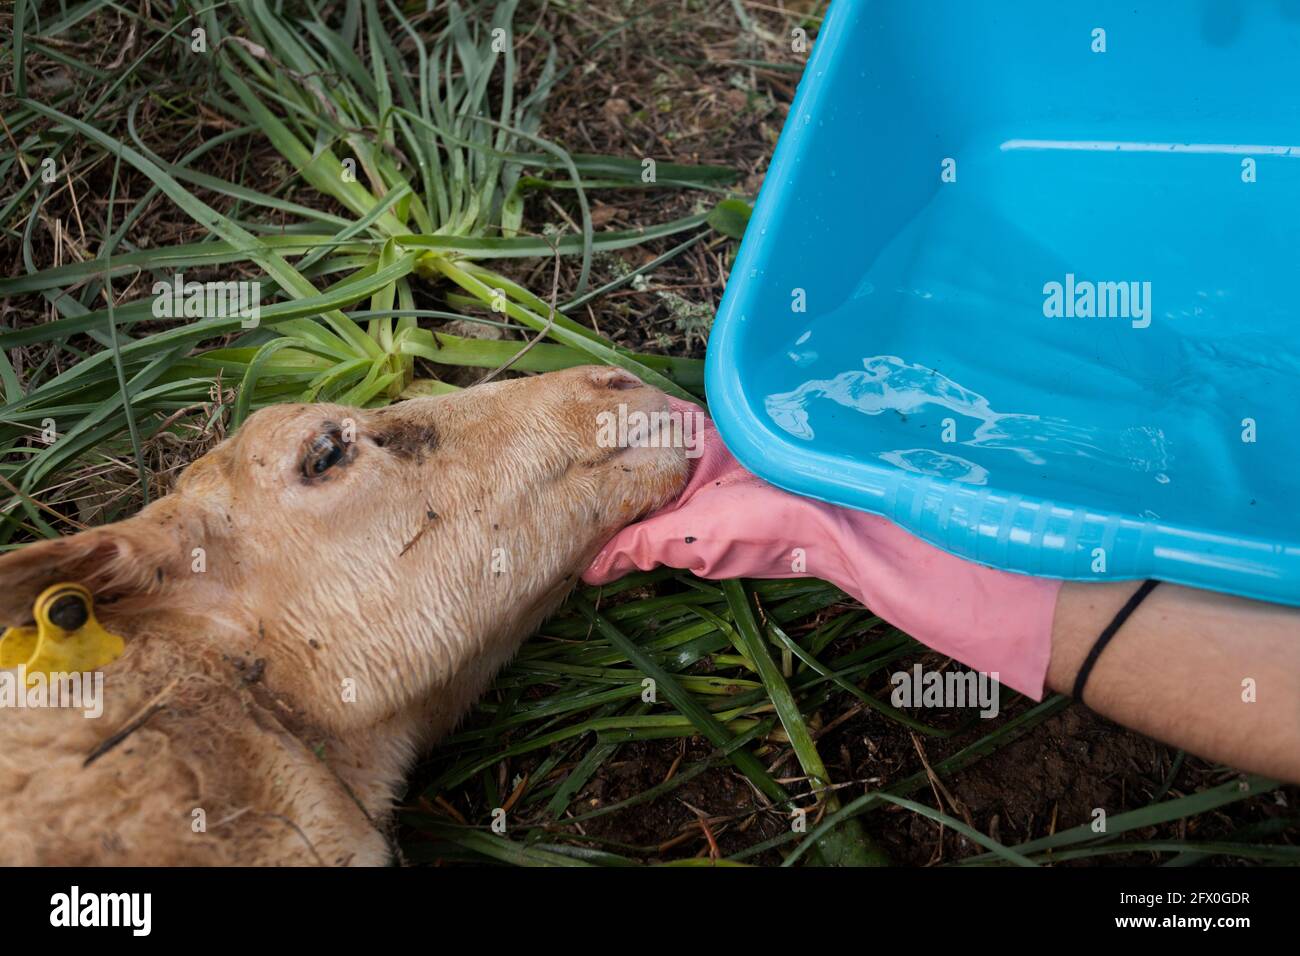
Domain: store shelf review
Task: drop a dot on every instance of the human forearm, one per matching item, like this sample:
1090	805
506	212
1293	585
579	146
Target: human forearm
1182	669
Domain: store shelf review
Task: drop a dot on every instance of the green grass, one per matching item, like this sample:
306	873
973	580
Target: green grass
403	147
571	701
409	167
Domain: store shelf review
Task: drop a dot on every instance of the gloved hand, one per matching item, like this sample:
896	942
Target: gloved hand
727	523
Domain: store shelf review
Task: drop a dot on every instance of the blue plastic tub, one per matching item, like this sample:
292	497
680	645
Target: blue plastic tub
909	327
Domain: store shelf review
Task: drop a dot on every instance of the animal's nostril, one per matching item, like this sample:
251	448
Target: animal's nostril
614	378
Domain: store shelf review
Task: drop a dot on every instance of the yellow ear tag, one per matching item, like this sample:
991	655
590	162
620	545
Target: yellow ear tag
66	639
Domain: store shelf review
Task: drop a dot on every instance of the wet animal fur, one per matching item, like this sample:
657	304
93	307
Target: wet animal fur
268	707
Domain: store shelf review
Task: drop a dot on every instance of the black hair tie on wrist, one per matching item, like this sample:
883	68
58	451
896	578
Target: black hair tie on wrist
1138	597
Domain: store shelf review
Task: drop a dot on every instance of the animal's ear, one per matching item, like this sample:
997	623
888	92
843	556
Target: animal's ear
130	557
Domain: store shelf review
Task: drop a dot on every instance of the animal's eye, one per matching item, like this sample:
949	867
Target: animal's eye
324	453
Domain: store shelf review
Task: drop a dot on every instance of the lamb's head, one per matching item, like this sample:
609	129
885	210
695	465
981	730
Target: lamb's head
370	556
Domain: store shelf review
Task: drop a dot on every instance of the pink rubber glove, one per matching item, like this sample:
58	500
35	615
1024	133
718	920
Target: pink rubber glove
728	524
